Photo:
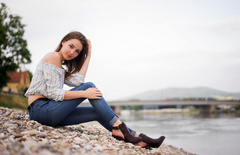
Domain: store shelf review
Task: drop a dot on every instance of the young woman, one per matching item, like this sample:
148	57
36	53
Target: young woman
50	105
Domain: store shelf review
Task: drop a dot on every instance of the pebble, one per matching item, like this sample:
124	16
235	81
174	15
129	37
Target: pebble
78	140
19	135
10	125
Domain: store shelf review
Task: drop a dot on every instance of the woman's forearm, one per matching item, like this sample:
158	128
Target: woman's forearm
74	94
90	93
83	70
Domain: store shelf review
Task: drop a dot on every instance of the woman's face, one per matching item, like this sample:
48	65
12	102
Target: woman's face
71	48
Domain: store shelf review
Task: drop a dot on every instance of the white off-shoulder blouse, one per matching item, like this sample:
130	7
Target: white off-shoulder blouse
48	81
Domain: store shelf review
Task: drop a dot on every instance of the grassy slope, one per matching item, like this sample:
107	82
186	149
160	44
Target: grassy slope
13	102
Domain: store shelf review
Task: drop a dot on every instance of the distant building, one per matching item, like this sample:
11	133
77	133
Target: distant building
18	84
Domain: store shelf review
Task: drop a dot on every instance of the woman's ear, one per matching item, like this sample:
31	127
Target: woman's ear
63	42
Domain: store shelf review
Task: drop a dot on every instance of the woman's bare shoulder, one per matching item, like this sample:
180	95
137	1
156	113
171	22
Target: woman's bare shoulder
53	58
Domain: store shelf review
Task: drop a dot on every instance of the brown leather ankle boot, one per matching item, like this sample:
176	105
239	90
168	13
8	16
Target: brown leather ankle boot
128	137
152	142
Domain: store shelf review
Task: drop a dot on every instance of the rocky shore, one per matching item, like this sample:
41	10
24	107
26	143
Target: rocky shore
19	135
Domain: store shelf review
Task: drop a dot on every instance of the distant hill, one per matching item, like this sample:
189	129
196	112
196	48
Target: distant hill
170	93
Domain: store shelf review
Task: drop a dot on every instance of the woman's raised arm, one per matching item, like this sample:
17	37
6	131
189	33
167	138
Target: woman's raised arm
85	65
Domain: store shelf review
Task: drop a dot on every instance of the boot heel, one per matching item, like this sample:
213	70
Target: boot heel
118	138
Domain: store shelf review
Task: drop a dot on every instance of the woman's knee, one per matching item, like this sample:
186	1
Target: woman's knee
84	86
90	85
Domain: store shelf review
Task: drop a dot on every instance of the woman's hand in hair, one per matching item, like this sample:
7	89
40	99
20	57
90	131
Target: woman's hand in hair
89	48
84	68
93	93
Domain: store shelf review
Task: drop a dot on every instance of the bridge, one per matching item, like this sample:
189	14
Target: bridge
205	106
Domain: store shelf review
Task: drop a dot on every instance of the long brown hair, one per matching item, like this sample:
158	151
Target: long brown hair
75	64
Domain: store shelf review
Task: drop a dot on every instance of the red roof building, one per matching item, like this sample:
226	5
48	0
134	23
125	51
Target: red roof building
18	83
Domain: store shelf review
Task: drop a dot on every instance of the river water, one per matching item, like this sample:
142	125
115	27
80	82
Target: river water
216	134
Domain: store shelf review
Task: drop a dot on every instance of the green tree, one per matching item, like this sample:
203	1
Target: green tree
13	48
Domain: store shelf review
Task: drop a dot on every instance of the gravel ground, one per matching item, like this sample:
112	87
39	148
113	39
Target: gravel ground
19	135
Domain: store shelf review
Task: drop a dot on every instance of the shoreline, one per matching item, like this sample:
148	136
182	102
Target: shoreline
19	135
160	111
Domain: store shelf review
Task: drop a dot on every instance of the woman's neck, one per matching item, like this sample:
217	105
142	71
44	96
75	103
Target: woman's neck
61	56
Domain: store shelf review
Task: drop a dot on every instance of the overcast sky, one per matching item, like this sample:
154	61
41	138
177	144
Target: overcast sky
141	45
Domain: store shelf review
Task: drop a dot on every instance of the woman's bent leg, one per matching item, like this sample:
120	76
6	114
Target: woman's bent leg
83	115
86	114
53	112
102	108
67	112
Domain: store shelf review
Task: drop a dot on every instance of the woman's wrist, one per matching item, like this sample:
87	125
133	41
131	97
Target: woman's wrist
84	94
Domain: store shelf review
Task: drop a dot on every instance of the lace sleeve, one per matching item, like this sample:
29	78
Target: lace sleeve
75	80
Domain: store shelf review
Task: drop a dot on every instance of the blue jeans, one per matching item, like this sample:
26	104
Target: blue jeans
66	112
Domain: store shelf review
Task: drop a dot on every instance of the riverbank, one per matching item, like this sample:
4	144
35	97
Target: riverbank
18	135
160	111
